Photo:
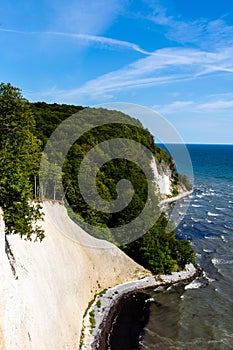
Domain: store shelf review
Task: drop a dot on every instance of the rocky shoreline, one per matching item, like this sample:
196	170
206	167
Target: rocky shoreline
182	195
100	316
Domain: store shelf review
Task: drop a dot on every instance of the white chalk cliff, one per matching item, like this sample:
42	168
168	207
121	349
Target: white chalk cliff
45	287
162	179
42	303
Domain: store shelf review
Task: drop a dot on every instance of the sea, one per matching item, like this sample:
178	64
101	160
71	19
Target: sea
199	315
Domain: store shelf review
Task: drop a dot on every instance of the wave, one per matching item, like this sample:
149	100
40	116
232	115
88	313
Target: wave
208	251
149	300
228	227
209	279
194	285
211	237
159	289
197	205
196	220
217	261
224	239
212	214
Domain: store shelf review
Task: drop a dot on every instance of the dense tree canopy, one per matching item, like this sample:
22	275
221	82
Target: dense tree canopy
157	250
19	158
24	130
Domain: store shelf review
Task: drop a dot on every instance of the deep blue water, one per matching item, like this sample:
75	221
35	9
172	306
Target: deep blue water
199	315
212	162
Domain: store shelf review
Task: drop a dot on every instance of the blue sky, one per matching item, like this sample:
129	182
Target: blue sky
175	56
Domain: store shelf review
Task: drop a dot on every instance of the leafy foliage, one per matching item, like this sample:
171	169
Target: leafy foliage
23	123
156	250
19	158
49	116
108	176
160	251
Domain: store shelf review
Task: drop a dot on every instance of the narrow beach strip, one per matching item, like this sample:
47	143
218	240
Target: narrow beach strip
174	199
98	319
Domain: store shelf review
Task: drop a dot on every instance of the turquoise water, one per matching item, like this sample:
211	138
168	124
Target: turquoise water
199	315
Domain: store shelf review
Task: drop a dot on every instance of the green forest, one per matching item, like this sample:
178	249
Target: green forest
25	130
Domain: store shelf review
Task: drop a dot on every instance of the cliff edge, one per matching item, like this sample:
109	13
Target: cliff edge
46	287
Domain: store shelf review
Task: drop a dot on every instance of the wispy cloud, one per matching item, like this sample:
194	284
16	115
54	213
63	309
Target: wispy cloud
174	107
165	66
217	106
102	40
99	40
88	17
161	67
201	32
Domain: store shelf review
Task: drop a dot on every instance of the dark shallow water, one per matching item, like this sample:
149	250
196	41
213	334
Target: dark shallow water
199	315
132	317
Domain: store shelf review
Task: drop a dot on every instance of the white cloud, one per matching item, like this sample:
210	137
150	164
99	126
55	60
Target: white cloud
102	40
201	32
88	17
174	107
215	106
219	105
161	67
97	39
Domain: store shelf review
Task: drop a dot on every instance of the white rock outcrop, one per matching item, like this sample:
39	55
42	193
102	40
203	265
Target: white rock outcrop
42	306
162	179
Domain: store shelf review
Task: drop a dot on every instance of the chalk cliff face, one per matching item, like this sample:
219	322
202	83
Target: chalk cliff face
163	179
45	287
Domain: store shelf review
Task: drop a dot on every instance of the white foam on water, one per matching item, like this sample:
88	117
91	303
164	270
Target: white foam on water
219	208
224	239
208	251
217	262
197	205
194	285
159	289
211	237
228	227
196	220
210	280
212	214
150	300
